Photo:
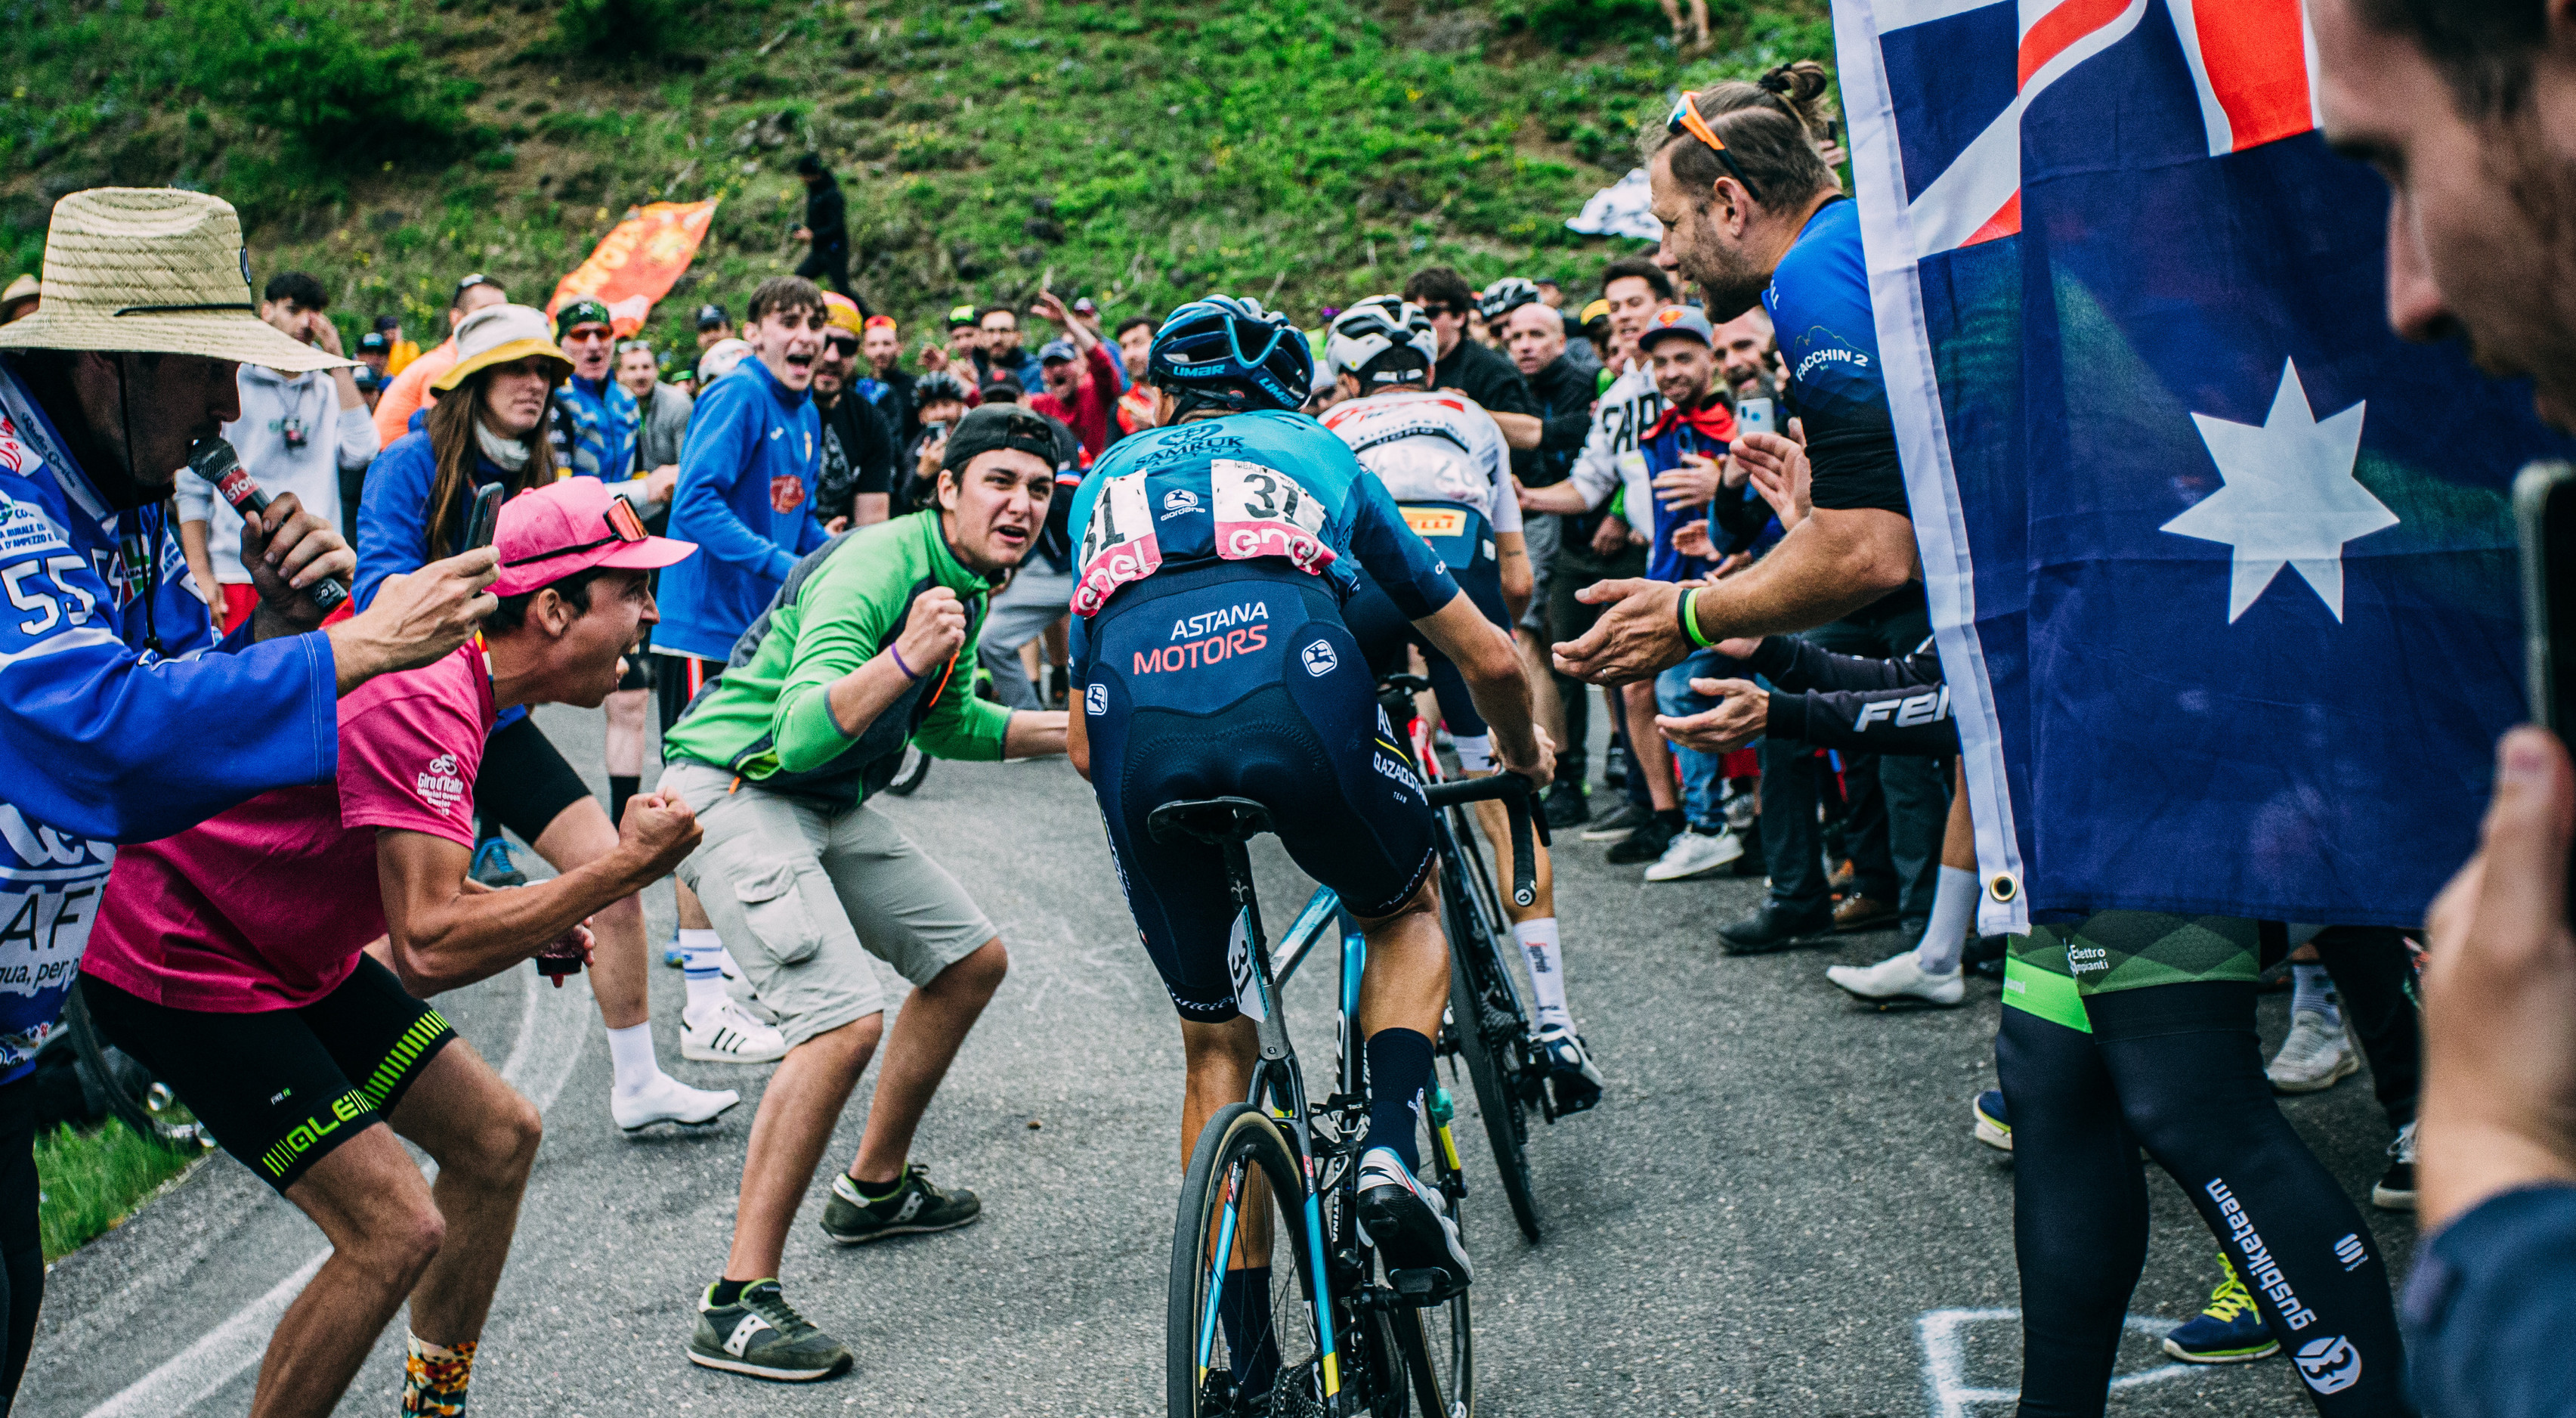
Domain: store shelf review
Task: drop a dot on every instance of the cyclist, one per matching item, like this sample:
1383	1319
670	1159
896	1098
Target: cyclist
1216	554
1444	461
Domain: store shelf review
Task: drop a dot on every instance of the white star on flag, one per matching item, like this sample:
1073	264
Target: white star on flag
2290	496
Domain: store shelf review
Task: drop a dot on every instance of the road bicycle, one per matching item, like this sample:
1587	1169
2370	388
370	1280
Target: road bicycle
1272	1184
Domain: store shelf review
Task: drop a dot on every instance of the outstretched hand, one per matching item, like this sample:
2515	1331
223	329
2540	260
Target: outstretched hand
1640	633
1740	717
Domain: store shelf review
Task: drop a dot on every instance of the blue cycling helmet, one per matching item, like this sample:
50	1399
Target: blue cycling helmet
1227	350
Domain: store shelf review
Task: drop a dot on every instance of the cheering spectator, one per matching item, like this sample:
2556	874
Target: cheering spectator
887	384
1472	369
826	231
944	401
1081	380
714	328
301	432
411	389
372	354
1136	407
595	419
998	349
665	410
858	445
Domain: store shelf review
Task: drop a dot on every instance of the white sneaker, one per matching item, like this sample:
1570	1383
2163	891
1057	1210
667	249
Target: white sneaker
1899	978
1693	853
726	1033
2316	1056
668	1100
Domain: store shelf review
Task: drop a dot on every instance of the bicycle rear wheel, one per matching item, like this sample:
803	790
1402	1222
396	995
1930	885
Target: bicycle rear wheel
1485	1032
1239	1145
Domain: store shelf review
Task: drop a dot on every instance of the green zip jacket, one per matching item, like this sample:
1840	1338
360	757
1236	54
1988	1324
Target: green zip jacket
770	718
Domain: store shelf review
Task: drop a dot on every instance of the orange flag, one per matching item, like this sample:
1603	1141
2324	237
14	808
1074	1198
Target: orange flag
636	263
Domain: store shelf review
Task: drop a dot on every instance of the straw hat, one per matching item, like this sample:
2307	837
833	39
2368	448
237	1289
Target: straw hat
498	334
154	270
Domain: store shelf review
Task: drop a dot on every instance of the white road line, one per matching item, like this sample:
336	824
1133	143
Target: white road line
553	1026
1945	1360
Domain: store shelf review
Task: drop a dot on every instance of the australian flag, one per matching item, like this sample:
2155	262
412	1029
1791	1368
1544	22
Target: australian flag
2223	572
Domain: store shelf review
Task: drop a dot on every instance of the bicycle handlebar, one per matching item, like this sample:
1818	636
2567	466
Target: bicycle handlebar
1514	792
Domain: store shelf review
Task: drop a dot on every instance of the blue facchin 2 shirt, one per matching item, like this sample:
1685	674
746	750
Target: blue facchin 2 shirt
1820	312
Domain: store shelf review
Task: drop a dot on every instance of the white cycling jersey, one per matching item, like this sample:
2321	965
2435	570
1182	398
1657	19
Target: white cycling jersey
1432	445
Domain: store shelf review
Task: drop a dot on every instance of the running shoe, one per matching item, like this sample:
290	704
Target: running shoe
1406	1223
1569	1067
1863	913
1695	852
1994	1122
1742	803
668	1100
2228	1331
2317	1055
2396	1189
918	1205
761	1334
726	1033
1648	843
1771	927
1617	826
1569	804
1899	980
493	867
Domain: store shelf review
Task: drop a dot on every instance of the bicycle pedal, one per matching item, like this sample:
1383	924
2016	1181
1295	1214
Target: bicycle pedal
1429	1286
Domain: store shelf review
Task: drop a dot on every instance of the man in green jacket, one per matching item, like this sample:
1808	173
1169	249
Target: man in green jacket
869	645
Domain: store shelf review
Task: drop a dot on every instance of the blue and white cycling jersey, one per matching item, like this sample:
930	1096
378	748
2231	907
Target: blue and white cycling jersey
1820	313
104	737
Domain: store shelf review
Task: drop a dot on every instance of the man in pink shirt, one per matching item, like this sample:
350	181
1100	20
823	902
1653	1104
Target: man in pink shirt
269	963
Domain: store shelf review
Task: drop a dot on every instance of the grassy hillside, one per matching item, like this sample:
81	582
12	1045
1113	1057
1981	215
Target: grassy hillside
1302	150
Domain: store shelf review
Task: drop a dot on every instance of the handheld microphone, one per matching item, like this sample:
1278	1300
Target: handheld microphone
216	462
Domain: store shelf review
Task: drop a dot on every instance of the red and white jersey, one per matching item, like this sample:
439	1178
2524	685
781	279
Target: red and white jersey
1432	445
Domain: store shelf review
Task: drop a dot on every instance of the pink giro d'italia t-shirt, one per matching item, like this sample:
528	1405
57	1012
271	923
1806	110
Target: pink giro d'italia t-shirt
267	906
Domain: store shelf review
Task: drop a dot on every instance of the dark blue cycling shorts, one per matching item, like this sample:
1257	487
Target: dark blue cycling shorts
1240	680
1461	537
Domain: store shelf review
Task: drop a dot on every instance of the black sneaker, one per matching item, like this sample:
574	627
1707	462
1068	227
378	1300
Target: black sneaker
1569	804
2396	1189
1647	844
1772	928
760	1334
1617	826
918	1205
1411	1230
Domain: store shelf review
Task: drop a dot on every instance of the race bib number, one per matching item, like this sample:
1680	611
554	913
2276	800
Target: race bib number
1429	522
50	884
1118	546
1248	999
1261	511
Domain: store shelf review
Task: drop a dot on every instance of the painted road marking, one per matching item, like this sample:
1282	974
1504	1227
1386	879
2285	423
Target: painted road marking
1945	1380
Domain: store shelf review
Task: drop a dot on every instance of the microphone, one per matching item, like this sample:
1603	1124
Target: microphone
216	462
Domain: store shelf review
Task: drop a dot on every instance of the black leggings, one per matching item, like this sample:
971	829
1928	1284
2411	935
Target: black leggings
22	1255
2178	1069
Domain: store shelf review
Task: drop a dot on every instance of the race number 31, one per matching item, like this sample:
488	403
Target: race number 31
1261	511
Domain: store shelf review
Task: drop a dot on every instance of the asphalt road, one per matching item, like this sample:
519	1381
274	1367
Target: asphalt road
1778	1208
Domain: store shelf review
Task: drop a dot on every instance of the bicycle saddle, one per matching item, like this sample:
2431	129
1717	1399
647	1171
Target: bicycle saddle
1215	820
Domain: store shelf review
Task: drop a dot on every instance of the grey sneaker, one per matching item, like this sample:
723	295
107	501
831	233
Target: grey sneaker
1617	826
762	1335
918	1205
2316	1056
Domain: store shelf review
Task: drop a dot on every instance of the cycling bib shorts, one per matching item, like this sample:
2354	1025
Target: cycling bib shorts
1242	680
2054	969
279	1089
1465	544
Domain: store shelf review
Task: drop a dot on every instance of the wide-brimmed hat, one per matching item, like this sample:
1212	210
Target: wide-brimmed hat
154	270
24	288
498	334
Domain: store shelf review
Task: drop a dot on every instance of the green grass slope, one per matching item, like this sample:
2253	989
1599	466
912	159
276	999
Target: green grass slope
1304	151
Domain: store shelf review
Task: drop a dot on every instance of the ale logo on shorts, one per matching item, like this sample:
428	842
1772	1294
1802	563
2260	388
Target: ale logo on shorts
439	784
1095	700
1320	659
2329	1364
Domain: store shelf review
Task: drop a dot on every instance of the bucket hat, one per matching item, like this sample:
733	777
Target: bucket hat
154	270
498	334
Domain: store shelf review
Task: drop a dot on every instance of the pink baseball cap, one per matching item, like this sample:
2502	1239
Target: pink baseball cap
548	533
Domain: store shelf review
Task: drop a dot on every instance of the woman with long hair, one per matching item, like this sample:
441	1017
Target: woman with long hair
489	427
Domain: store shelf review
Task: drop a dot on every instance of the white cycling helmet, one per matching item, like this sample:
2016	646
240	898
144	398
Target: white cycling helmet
1505	296
722	358
1375	326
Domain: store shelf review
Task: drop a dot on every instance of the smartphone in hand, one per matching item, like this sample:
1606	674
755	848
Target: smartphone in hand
484	517
2544	505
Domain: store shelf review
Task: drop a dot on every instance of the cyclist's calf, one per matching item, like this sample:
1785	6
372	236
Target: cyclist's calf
1405	984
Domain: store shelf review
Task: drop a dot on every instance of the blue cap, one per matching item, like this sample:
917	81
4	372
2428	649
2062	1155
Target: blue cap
1058	349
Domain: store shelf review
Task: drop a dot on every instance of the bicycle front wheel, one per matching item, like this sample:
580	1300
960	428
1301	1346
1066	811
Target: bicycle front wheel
1484	1031
1242	1207
1437	1342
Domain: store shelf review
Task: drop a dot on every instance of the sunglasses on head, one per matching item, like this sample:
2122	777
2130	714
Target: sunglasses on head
623	526
1686	119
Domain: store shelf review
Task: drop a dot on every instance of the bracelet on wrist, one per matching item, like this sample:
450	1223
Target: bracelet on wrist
907	671
1690	618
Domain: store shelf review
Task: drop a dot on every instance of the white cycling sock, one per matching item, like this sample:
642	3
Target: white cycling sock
630	1055
702	961
1954	904
1547	969
2312	990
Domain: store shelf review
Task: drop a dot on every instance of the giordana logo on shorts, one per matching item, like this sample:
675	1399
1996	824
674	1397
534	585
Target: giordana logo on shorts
1095	700
2329	1364
440	786
2261	1271
1320	659
1179	502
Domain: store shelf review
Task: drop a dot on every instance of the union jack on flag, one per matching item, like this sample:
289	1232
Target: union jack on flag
2223	573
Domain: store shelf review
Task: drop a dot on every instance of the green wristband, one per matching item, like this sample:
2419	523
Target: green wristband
1690	619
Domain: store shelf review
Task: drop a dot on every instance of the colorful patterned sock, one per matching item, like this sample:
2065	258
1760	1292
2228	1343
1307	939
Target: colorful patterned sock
435	1376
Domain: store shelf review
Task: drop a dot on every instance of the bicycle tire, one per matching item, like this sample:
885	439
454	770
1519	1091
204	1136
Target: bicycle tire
1506	1126
1238	1134
907	778
134	1097
1436	1343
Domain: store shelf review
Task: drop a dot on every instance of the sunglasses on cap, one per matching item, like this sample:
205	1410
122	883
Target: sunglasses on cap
623	526
1686	119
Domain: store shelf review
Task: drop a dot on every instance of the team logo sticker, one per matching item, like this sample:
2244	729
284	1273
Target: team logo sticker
1320	659
1180	501
2329	1364
1095	700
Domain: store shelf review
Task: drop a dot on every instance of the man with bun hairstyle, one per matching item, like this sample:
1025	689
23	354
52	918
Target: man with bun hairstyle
869	646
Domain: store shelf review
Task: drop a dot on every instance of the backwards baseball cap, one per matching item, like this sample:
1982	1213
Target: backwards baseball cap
559	528
962	316
991	427
469	283
710	316
1083	305
1058	350
1684	320
584	311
